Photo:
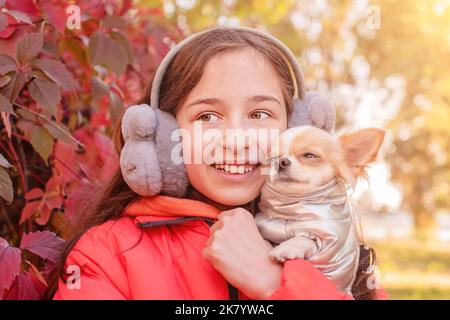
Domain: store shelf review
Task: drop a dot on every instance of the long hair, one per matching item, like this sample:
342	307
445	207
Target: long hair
182	75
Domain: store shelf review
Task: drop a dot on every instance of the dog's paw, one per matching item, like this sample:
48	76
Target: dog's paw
282	253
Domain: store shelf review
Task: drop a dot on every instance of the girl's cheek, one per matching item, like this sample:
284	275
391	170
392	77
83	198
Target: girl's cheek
199	141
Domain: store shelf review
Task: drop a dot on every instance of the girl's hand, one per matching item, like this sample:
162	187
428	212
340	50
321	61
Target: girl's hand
238	251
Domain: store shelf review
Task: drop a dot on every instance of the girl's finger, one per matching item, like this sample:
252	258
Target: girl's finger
217	225
228	213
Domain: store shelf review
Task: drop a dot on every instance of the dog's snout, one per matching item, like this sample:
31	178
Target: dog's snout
284	163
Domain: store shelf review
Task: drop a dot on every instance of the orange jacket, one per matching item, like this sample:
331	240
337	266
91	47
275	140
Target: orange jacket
154	252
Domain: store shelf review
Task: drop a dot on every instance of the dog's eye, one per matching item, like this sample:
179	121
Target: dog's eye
310	156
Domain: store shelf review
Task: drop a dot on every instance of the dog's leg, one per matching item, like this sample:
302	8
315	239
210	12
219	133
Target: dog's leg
299	247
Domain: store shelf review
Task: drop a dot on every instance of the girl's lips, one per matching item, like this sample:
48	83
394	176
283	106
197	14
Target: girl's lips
235	177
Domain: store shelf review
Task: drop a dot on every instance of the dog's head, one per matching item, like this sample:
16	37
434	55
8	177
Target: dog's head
307	158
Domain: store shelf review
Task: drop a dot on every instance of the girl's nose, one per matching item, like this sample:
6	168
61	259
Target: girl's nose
237	137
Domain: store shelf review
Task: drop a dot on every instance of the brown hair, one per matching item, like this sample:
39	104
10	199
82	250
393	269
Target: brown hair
182	75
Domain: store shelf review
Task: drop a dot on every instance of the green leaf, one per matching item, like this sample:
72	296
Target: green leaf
45	92
5	105
3	162
56	71
20	16
7	63
42	142
6	188
4	80
28	47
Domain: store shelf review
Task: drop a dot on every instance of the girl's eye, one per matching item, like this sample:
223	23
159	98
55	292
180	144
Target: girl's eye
259	115
310	156
207	117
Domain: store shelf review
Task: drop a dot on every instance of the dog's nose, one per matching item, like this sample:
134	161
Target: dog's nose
284	162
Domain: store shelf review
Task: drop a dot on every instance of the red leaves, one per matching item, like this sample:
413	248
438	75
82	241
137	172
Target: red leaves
6	189
43	203
45	244
15	13
85	171
5	105
96	163
45	92
25	287
111	49
56	71
55	12
11	84
27	284
10	258
7	64
58	85
28	47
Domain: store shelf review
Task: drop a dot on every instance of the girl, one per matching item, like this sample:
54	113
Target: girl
162	247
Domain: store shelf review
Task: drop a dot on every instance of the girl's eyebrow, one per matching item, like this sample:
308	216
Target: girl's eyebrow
204	101
212	101
262	98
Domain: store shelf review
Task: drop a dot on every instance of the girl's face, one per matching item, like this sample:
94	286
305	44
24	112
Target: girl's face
238	90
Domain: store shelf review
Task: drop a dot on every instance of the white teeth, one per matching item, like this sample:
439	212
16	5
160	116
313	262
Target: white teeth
235	169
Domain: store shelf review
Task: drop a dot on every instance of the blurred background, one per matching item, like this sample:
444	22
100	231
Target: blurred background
66	72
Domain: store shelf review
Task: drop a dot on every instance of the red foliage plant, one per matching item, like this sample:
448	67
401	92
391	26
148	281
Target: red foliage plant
66	74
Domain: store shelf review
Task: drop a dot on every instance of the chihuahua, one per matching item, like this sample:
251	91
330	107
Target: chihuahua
304	206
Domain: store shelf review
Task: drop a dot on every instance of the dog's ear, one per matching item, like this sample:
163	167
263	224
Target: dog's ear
361	148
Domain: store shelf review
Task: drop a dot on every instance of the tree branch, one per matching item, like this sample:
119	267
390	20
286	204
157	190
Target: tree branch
51	122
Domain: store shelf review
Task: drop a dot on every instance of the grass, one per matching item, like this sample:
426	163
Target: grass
411	269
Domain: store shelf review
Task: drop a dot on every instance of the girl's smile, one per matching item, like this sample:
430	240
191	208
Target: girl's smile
235	172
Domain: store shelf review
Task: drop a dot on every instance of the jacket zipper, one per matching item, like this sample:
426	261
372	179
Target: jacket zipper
151	224
232	291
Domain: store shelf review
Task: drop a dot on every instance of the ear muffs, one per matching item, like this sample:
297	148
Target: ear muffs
146	160
314	110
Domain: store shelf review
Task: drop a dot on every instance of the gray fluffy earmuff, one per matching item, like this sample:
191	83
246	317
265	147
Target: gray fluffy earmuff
145	159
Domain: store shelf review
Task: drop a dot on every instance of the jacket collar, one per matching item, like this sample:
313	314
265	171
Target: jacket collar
160	207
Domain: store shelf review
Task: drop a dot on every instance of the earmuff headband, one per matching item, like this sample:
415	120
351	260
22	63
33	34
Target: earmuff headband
292	63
